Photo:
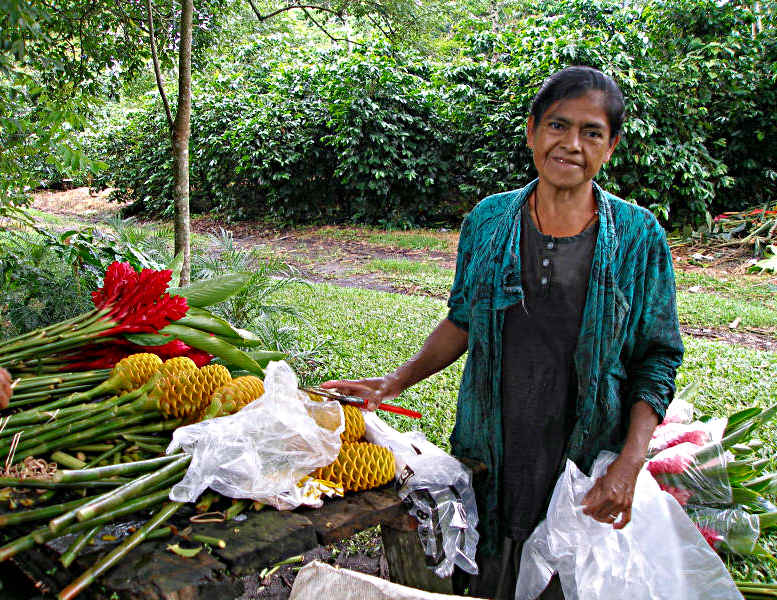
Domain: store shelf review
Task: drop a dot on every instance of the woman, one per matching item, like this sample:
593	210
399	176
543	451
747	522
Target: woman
564	300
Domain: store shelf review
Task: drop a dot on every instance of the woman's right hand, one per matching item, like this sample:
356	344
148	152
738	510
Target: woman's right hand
373	390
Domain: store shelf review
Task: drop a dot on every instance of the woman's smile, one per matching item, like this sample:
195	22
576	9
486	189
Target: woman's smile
565	162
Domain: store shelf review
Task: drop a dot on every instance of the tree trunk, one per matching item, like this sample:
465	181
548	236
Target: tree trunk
180	138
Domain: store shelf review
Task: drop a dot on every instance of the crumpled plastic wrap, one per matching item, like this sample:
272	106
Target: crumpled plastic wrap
693	474
437	490
679	409
263	451
659	555
727	529
670	434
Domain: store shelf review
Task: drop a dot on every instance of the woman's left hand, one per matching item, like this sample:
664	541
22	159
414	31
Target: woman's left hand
612	494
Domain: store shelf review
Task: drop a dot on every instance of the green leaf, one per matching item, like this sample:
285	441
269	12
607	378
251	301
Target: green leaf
207	323
263	357
199	318
766	484
212	291
688	392
239	341
738	417
148	339
213	345
175	266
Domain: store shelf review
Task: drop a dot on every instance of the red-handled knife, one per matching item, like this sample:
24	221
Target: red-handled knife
361	403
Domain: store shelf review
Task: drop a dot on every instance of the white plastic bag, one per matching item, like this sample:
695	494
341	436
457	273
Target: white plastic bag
437	490
319	581
660	555
263	451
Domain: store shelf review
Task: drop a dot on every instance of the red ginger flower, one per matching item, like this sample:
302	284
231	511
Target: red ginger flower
682	496
671	464
137	301
666	436
697	437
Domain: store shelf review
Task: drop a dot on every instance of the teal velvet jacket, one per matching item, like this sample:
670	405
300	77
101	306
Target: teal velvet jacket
629	347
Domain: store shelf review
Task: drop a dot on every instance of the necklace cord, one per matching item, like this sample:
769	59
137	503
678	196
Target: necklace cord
536	196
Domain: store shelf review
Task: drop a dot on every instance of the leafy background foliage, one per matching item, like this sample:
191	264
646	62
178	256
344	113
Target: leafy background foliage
59	62
378	135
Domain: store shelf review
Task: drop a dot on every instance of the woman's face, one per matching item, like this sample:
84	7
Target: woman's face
571	141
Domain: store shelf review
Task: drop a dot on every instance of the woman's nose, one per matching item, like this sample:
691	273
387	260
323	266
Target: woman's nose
572	140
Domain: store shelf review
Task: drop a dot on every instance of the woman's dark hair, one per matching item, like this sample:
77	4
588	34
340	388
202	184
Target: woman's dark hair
574	82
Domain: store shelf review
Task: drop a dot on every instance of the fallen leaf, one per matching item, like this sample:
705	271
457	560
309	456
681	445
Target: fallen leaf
185	552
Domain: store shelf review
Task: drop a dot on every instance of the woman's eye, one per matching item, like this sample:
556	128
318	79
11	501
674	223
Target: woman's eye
555	125
594	133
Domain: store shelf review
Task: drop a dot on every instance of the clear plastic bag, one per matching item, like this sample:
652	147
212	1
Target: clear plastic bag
670	434
437	490
727	529
679	409
263	451
693	474
659	555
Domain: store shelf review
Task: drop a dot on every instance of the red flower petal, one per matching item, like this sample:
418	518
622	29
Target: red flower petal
711	535
138	301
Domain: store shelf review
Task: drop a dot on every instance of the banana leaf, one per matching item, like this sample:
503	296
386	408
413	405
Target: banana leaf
766	484
203	320
263	357
214	345
212	291
740	416
175	266
149	339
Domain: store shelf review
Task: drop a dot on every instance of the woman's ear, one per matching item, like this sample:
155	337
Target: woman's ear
612	147
530	132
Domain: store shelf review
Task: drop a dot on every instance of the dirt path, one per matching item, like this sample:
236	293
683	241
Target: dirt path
347	256
321	255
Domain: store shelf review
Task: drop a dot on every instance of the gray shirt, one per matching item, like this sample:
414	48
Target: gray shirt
538	374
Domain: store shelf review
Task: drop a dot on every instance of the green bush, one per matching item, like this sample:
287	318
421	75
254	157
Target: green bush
391	138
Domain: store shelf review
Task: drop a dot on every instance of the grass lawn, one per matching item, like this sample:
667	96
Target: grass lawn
415	276
417	239
368	333
702	301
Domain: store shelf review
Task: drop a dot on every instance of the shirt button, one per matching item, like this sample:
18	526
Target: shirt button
544	281
545	262
550	245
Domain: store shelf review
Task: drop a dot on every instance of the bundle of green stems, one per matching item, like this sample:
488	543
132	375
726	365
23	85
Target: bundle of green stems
131	487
